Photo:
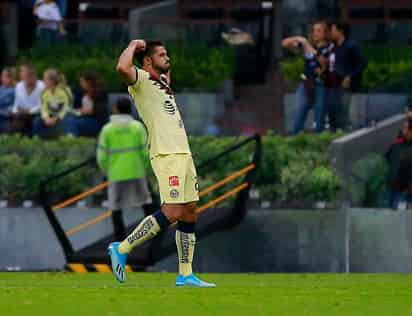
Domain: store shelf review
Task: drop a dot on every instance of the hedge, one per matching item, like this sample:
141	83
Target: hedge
368	181
389	69
193	66
292	168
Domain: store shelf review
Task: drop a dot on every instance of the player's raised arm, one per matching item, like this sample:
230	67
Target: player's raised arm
125	66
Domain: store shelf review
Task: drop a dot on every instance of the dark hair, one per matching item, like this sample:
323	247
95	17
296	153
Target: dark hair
150	48
90	75
341	27
124	105
95	81
322	22
410	123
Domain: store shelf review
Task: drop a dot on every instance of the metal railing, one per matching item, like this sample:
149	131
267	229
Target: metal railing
241	190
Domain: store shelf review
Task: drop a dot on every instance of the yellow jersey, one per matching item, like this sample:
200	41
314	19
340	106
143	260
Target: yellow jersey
156	105
55	103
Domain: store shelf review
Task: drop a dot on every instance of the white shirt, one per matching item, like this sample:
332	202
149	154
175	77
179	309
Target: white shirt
28	101
49	12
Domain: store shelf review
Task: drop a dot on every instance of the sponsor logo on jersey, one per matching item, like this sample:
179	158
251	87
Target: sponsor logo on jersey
173	181
169	107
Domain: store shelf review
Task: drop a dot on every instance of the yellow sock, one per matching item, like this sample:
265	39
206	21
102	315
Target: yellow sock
147	229
185	249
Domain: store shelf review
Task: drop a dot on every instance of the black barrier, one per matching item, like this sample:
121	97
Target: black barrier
235	216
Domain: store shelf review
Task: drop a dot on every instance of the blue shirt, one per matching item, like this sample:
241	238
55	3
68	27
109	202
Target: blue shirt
6	99
312	63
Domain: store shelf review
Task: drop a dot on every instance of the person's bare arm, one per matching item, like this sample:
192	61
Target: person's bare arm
290	42
125	65
296	41
62	29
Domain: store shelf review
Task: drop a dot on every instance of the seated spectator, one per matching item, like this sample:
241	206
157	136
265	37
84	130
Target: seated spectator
400	166
90	108
55	102
7	93
50	21
27	100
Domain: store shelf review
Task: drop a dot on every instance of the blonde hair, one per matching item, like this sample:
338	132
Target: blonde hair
56	76
312	25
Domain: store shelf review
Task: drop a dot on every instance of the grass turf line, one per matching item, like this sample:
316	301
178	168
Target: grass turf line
61	294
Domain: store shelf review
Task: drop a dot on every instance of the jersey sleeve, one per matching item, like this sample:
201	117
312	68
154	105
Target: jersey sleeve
44	109
141	77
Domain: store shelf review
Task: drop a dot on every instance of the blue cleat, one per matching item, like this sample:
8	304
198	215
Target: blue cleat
118	261
192	280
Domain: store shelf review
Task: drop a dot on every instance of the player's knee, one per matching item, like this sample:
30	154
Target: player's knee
173	212
191	208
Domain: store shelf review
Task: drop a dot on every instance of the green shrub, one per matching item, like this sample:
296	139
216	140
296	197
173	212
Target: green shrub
193	66
367	183
291	69
291	168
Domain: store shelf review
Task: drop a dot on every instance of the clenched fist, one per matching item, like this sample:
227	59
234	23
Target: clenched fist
139	45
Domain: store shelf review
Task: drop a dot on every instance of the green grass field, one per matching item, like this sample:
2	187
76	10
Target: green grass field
97	294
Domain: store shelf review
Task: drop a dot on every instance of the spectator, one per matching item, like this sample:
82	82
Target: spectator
400	166
90	106
27	100
50	21
55	102
346	65
122	154
311	90
7	93
62	4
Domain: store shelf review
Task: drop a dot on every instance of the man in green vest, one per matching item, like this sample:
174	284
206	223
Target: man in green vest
122	154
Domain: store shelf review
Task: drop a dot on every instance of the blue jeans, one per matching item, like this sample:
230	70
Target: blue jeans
81	125
47	37
305	104
41	129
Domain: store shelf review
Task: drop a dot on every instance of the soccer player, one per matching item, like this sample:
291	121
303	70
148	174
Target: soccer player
170	155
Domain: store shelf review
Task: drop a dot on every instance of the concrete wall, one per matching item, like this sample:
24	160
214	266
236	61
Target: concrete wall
347	150
267	241
27	241
363	108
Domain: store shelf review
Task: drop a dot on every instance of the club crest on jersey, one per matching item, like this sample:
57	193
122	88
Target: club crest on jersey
173	181
174	194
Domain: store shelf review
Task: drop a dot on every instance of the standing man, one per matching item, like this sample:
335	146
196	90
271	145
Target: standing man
345	74
170	155
122	155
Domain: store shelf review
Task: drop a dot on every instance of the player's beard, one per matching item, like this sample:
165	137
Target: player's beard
161	69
